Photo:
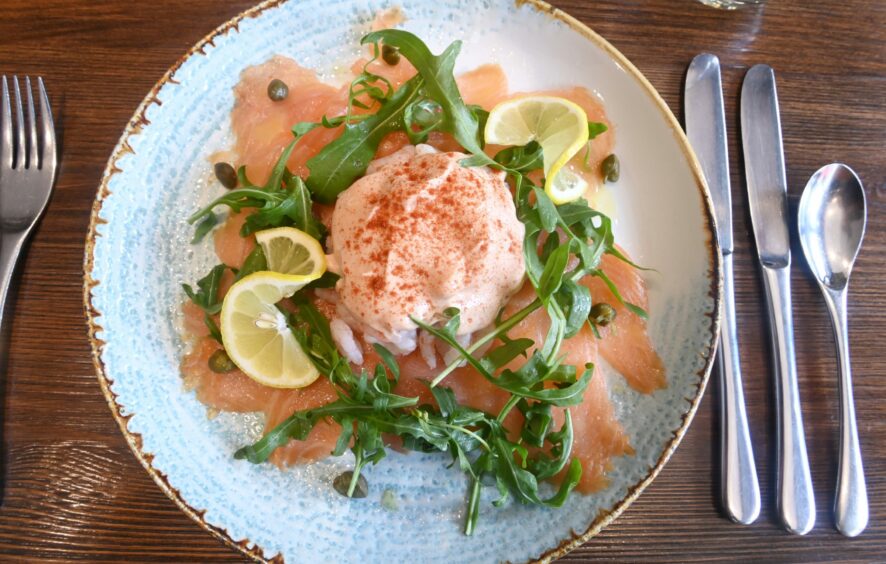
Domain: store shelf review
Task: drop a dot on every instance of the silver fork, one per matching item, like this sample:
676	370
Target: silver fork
27	170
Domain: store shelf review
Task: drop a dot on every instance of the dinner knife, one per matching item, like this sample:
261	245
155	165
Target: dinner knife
706	129
767	196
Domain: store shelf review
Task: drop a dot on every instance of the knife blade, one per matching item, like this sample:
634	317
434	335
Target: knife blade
767	197
706	130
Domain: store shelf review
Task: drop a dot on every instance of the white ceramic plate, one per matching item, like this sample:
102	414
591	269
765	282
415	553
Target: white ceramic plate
138	254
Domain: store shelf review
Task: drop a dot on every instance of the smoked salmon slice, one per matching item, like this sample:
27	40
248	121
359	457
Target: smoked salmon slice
625	343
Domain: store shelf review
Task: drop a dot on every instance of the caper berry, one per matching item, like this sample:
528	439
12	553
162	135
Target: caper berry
342	483
277	90
220	362
226	175
611	168
390	55
602	314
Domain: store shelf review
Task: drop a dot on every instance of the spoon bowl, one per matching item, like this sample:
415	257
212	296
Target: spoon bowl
832	223
832	219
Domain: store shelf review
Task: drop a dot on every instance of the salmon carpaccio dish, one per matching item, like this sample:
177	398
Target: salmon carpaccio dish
410	262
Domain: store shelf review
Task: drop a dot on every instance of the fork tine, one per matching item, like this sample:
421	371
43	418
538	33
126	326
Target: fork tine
33	153
20	126
48	156
5	126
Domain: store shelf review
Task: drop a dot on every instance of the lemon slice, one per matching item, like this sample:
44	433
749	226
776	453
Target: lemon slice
558	125
256	336
291	251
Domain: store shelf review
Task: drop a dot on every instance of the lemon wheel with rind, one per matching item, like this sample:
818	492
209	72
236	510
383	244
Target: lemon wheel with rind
291	251
557	124
256	335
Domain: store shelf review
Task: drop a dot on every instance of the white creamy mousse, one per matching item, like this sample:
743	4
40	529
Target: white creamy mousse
419	234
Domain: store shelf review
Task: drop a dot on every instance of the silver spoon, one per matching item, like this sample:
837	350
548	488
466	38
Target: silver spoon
832	219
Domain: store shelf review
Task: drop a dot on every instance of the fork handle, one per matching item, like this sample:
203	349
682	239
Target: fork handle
10	249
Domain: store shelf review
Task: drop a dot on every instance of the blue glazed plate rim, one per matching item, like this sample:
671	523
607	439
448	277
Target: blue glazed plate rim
139	121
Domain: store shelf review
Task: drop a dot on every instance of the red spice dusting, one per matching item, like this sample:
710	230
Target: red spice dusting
376	283
428	197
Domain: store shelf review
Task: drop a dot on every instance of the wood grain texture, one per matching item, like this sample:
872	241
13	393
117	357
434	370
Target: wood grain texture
73	491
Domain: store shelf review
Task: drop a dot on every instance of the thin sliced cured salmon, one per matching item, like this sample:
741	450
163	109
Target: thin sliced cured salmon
231	247
262	127
624	343
485	86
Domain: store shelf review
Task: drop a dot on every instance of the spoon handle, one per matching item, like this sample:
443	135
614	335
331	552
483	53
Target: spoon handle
796	501
741	490
851	504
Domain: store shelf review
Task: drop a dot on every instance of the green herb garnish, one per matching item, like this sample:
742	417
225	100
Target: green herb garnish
282	201
206	297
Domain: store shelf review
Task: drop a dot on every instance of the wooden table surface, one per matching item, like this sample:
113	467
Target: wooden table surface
74	491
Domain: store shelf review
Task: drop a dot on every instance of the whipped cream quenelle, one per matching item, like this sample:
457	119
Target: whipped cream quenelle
421	233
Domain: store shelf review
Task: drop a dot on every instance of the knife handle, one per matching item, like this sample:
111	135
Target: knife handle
741	491
796	501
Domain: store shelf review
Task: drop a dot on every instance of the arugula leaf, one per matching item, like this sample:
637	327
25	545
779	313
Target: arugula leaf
636	310
522	483
388	359
206	295
347	433
573	476
521	159
297	426
342	161
254	262
293	209
502	355
204	227
547	213
552	275
327	280
445	399
482	117
538	421
595	128
439	83
282	201
570	394
575	301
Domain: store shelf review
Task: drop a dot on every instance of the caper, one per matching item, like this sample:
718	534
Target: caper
389	500
342	483
611	168
602	314
277	90
390	54
226	175
220	362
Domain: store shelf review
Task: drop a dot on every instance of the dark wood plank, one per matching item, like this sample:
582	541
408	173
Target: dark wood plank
73	491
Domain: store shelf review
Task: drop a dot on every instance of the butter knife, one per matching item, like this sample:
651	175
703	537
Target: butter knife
706	129
767	195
